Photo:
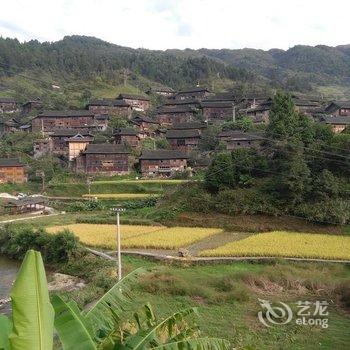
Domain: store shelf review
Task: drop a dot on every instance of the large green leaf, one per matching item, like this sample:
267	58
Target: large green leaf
106	313
197	344
32	312
71	327
5	330
152	337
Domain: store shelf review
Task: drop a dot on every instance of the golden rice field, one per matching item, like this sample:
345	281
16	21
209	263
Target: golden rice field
120	196
133	236
287	244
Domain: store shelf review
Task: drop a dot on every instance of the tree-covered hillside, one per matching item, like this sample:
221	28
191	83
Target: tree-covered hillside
86	66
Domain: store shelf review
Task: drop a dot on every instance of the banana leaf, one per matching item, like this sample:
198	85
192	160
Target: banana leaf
71	326
32	312
197	343
5	330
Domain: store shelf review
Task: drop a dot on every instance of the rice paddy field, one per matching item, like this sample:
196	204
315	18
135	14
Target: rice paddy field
136	236
287	244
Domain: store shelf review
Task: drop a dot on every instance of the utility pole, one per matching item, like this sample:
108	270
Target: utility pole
119	210
233	112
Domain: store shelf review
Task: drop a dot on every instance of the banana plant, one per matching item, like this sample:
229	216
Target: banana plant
31	326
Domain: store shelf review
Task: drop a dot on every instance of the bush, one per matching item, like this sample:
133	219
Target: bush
16	240
84	206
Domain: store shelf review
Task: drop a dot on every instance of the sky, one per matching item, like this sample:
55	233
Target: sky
169	24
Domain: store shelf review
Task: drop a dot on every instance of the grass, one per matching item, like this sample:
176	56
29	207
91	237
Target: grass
287	244
144	181
120	196
136	236
227	297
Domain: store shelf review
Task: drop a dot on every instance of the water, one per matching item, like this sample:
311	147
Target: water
8	272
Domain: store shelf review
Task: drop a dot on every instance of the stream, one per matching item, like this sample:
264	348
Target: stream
8	272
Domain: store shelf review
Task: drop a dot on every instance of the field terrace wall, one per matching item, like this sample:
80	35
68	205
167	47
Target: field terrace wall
183	140
217	110
107	159
169	115
338	108
162	163
137	102
110	107
235	139
8	105
12	171
50	120
127	136
337	123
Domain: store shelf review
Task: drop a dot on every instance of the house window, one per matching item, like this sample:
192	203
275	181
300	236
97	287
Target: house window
181	142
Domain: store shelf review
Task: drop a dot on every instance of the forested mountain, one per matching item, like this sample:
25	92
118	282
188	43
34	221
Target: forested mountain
89	66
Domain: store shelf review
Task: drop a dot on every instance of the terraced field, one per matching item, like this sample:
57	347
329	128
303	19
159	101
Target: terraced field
136	236
287	244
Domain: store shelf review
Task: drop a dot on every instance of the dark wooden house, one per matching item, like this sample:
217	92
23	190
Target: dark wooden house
127	136
32	105
235	139
162	163
137	102
145	124
8	105
197	92
25	205
169	115
162	91
338	108
259	114
217	110
190	126
183	140
107	159
337	123
12	171
51	120
190	102
111	107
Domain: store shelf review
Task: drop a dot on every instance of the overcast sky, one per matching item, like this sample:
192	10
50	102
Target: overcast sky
165	24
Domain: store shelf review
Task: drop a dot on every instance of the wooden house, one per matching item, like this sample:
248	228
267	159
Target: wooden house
107	159
25	205
217	110
190	126
190	102
162	91
183	140
12	171
111	107
101	122
50	120
169	115
76	144
259	114
137	102
235	139
43	147
337	123
338	108
197	92
145	124
162	163
8	105
32	105
127	136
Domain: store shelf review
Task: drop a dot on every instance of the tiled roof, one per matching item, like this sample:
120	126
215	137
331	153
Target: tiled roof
238	135
189	101
105	148
4	162
70	132
336	120
335	105
193	89
109	103
126	131
70	113
25	201
162	154
140	118
188	125
7	100
216	104
132	97
182	134
174	110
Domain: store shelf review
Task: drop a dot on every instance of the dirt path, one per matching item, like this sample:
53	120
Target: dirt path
28	218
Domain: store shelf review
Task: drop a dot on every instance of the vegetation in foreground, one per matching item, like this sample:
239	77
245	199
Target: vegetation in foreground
287	244
104	326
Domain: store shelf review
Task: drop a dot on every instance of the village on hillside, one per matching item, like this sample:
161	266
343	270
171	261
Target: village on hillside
179	122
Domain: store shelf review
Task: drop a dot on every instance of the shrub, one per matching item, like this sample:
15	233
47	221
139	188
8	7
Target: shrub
16	240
